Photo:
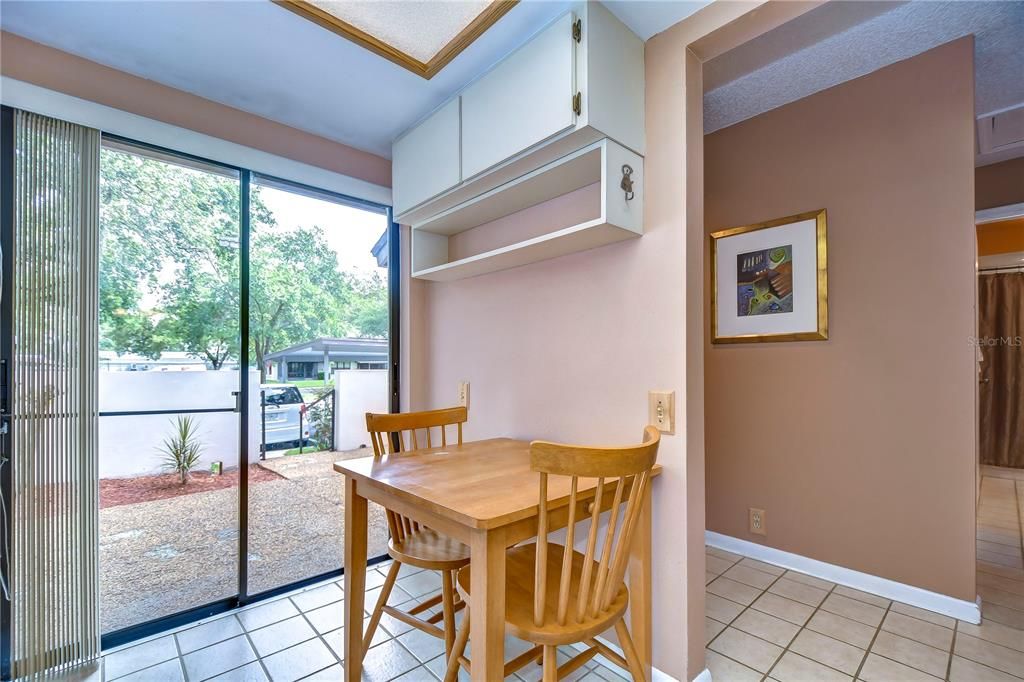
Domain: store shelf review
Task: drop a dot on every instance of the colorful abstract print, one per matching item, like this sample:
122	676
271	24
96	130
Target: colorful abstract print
764	281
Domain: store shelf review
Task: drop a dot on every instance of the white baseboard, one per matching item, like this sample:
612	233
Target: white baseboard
890	589
705	676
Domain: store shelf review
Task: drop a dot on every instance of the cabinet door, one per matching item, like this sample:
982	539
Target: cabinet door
526	99
425	161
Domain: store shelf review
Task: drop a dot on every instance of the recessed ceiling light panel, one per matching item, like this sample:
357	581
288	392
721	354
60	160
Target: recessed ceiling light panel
420	35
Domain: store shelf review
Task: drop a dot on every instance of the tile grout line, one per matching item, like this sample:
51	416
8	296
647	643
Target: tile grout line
259	659
871	644
181	658
952	648
802	628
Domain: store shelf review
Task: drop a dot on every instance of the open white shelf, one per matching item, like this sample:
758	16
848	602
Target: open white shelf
609	216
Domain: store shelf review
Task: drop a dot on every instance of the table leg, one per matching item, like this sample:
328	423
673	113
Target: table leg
355	579
487	604
640	585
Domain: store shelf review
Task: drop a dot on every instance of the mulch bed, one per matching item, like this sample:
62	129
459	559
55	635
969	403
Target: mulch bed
115	492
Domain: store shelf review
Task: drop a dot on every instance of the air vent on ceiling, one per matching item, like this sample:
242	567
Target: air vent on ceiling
1001	130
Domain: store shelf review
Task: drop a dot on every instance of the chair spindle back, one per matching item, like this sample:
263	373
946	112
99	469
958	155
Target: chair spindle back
604	567
388	433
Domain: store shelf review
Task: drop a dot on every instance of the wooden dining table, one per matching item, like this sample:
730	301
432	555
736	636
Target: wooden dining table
483	494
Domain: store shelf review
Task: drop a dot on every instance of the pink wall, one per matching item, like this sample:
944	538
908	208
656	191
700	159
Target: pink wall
47	67
861	449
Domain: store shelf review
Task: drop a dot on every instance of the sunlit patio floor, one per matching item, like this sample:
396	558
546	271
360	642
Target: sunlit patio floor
163	556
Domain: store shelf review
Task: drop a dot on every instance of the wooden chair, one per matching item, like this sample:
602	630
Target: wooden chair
555	597
411	542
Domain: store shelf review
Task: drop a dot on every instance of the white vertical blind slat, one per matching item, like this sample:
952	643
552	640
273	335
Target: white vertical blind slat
54	463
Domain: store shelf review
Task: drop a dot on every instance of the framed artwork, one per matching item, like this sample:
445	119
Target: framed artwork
769	281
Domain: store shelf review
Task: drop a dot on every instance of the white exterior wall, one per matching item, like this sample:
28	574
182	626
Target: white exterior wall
357	392
129	445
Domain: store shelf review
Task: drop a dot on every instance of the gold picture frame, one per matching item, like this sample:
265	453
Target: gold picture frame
820	333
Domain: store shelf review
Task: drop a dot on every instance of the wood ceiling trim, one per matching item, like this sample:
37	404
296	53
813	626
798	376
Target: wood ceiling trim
483	21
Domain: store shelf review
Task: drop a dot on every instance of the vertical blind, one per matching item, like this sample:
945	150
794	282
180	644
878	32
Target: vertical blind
54	417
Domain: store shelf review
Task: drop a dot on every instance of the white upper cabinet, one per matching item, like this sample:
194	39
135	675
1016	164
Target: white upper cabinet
577	81
425	161
525	100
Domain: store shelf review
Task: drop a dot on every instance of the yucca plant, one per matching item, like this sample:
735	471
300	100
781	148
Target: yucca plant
182	448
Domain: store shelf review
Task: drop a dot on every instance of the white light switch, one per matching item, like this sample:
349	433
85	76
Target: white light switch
662	410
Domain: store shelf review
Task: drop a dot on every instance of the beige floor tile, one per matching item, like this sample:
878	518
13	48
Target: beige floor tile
709	576
842	628
775	630
717	565
762	566
1000	536
851	608
865	597
783	608
720	609
795	668
722	554
809	580
722	668
801	592
918	630
1000	614
879	669
733	591
994	632
990	654
996	569
922	614
746	649
1001	597
831	652
1000	559
999	548
1012	585
965	670
750	576
711	629
921	656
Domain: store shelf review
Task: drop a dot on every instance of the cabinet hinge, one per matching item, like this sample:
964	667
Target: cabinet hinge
577	30
577	103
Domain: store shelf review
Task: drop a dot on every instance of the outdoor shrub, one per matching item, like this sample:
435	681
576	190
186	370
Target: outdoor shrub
319	417
181	449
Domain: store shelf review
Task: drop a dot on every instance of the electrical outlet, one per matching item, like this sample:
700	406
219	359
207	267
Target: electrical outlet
661	408
464	394
757	521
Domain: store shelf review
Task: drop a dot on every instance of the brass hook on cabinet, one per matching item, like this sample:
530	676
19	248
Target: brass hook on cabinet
627	181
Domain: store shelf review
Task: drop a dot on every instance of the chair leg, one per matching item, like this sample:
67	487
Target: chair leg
452	673
385	592
550	664
448	607
636	669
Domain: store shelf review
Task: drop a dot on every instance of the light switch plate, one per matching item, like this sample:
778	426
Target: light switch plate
464	394
661	409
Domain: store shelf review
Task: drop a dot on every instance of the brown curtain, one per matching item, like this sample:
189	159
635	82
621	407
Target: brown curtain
1001	328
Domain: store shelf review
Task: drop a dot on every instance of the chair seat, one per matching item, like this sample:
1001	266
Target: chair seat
519	591
429	549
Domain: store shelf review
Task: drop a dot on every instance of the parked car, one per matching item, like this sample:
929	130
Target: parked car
284	410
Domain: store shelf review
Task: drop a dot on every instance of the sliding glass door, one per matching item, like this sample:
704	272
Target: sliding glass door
318	328
169	381
246	327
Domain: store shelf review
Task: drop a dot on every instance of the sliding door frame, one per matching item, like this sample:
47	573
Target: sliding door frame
6	359
246	179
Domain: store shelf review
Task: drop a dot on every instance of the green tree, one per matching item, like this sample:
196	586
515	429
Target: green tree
170	262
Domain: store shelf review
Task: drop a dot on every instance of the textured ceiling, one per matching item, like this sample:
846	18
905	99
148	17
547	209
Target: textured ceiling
648	17
416	27
843	40
264	59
